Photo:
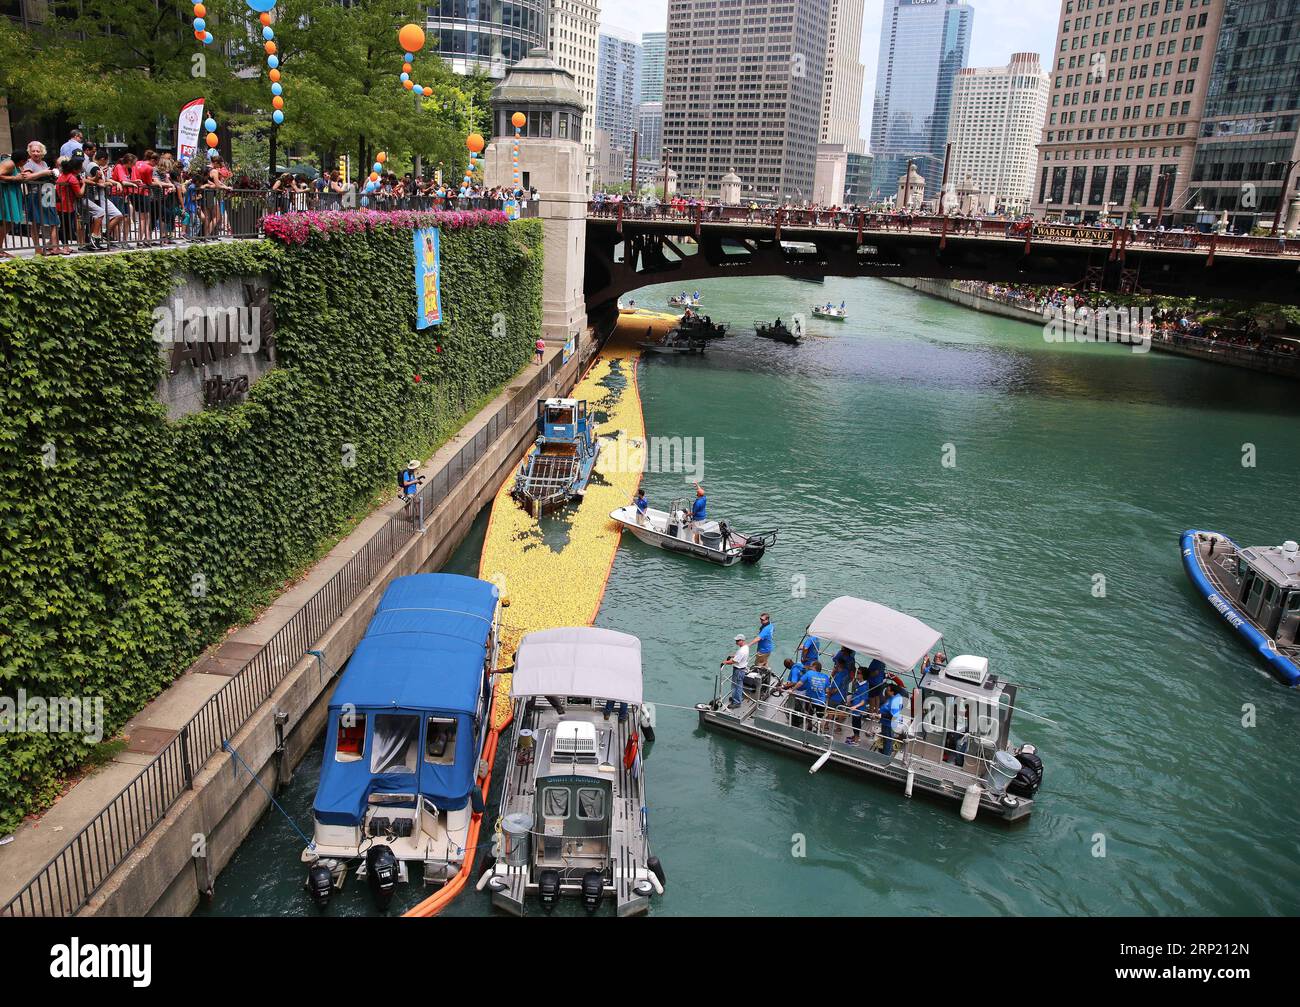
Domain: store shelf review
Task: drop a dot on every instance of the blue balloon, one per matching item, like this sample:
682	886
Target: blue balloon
276	88
272	61
277	117
210	124
405	76
260	6
267	33
207	38
409	57
377	168
199	24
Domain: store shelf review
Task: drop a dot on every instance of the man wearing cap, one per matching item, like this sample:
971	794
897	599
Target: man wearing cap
699	510
739	662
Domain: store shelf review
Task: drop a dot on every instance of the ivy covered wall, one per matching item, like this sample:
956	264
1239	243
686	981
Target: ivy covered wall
128	543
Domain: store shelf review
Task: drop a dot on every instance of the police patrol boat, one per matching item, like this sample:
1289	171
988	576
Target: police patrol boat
950	739
673	530
1257	592
406	731
561	461
573	817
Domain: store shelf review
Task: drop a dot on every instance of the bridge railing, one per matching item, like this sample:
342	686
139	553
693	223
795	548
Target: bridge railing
956	226
73	875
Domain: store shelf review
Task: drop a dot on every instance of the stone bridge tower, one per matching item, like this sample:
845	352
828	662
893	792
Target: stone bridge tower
553	161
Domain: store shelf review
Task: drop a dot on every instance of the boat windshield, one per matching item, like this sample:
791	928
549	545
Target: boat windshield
396	738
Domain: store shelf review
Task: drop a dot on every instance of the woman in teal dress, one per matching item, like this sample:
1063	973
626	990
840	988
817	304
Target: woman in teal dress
11	200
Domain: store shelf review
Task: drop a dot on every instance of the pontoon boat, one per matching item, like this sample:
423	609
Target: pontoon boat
573	818
955	743
406	730
1256	591
673	530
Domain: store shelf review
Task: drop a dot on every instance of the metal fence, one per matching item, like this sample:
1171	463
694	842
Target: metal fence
53	220
69	880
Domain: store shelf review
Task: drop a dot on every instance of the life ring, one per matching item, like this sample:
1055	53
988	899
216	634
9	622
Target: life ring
629	753
891	677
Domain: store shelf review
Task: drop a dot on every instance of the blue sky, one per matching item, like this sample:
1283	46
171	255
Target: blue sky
1001	28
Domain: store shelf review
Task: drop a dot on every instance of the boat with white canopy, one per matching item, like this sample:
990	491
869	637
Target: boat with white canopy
573	817
950	739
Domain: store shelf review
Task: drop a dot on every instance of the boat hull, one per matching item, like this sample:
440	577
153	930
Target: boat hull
739	550
1284	668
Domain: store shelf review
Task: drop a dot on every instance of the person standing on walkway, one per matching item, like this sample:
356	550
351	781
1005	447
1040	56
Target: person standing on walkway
739	662
540	347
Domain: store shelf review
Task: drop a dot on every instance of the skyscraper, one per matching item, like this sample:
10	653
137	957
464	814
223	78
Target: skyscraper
743	90
842	94
485	35
923	43
997	119
572	30
1251	127
653	46
1128	92
618	86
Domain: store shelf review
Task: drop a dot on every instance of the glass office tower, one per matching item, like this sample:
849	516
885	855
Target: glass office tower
923	45
488	35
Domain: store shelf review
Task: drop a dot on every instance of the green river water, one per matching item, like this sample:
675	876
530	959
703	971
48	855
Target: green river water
1071	461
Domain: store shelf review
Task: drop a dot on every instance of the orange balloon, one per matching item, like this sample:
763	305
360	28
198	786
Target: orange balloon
519	119
277	101
200	35
270	48
408	84
381	157
411	38
200	10
265	18
374	176
475	143
428	91
212	139
406	68
275	76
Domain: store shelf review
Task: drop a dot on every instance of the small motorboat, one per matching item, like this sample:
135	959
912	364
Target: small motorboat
676	343
560	463
573	817
685	300
701	327
405	734
674	531
1257	592
831	312
952	741
777	330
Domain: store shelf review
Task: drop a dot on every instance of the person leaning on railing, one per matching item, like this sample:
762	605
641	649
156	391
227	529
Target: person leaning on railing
40	179
11	200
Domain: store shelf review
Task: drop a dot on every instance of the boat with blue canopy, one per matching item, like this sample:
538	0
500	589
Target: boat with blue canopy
406	730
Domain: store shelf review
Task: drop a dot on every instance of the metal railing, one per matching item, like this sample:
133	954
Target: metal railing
54	219
72	877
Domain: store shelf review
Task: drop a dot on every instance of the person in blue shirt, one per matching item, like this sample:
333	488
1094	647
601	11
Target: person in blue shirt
809	650
890	710
642	505
811	688
858	704
699	509
763	642
794	672
408	480
876	680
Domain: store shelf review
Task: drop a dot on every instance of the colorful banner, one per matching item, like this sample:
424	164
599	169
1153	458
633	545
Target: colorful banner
428	270
187	130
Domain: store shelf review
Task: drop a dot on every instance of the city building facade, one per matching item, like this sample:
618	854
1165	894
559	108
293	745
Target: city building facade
1129	85
743	92
842	92
618	86
572	31
923	45
653	46
485	35
997	120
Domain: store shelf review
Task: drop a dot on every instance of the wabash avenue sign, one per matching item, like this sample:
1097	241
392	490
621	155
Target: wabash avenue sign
214	349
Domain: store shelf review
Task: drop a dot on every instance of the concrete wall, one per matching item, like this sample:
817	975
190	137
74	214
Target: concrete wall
163	877
945	290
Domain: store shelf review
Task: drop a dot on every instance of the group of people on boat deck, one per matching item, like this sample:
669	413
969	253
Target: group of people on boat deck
849	691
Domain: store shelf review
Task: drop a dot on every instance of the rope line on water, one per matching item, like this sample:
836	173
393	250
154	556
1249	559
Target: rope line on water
227	746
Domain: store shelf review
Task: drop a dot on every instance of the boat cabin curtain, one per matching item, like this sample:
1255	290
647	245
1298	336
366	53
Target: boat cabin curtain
395	738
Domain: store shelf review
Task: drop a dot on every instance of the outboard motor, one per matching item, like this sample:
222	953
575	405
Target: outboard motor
548	889
593	888
1030	777
381	873
320	884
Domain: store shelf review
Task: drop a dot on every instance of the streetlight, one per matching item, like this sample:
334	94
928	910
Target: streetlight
1286	183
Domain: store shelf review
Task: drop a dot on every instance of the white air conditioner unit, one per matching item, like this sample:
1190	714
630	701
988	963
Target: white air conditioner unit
966	668
575	741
